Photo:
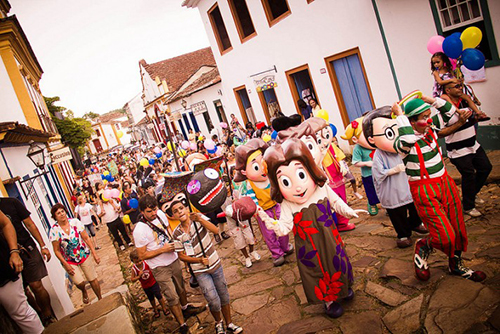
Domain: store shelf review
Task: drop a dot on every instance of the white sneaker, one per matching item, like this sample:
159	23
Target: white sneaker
479	201
122	247
248	262
473	213
358	195
255	255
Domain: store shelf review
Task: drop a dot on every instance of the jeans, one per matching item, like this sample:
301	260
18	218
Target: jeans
115	226
214	288
475	169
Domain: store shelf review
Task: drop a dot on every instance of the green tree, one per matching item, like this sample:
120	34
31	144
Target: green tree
74	131
90	115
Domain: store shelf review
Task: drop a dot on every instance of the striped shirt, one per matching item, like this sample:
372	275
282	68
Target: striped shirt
405	143
463	141
208	247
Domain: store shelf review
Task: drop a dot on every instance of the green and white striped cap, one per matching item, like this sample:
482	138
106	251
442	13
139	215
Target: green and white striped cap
415	107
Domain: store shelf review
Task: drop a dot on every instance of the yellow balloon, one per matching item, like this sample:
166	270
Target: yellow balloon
106	173
322	113
121	195
126	219
471	37
266	138
182	152
119	133
200	138
104	182
169	145
144	162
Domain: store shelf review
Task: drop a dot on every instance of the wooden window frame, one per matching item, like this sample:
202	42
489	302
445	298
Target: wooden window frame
237	22
293	88
240	103
265	108
216	31
269	16
335	83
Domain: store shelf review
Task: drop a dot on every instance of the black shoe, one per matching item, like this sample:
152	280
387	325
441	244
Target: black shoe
48	320
192	310
224	235
184	329
217	238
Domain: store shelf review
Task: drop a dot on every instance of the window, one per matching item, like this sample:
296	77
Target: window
242	19
301	85
269	102
219	29
276	10
98	133
452	16
244	104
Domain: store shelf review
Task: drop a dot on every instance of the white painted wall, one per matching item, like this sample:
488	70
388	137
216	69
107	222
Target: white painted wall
408	26
20	165
151	90
311	33
209	95
136	108
10	109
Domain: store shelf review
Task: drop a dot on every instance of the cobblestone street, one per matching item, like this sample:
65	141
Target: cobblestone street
388	298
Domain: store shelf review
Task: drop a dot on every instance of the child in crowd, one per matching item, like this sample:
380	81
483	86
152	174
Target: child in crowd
348	174
142	273
84	211
238	215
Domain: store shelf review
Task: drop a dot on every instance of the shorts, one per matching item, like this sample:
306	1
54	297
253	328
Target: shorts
85	270
170	280
242	236
34	268
90	228
153	291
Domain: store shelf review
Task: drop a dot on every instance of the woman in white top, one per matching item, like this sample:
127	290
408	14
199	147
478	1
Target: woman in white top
110	214
314	106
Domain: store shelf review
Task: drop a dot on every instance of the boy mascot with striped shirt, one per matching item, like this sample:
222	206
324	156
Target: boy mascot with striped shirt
434	192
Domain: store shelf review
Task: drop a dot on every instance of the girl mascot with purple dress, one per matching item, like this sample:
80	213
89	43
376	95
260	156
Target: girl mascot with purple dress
308	205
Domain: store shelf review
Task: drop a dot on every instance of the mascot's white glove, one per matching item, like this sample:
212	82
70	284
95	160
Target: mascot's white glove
354	213
397	169
271	224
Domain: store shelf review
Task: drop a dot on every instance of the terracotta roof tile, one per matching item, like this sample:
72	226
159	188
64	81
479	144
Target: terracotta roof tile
107	117
179	69
205	80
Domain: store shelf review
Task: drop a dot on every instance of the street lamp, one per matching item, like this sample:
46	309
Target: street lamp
36	155
184	103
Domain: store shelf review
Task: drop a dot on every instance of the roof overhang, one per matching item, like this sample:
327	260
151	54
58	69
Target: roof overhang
190	3
16	133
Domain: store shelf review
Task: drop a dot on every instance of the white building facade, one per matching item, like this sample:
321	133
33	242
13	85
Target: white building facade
351	56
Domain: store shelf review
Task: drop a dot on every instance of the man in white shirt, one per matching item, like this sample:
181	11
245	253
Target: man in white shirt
154	242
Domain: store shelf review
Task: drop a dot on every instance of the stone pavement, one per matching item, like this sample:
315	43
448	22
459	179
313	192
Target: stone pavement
389	299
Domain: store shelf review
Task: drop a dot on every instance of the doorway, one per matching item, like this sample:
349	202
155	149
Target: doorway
350	84
301	85
244	104
270	105
97	145
219	109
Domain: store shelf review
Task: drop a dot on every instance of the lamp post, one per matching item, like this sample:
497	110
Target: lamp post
36	155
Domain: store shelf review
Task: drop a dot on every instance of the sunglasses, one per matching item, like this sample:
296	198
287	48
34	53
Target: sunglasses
457	86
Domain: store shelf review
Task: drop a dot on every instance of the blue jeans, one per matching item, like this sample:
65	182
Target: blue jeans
214	288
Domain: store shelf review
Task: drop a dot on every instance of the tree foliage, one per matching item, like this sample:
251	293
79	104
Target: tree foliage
90	115
74	131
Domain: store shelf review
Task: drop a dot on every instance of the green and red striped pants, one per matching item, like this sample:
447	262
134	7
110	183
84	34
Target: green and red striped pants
438	204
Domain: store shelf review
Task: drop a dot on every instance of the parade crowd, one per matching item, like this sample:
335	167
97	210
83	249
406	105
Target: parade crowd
166	201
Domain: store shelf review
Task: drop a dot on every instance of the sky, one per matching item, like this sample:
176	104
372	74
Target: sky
90	50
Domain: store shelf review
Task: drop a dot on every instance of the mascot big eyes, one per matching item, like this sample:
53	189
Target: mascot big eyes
206	190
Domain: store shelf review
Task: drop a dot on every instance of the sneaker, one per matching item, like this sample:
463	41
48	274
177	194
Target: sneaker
255	255
404	242
457	267
421	229
248	262
358	195
334	310
346	227
122	247
372	210
219	328
290	249
48	320
224	235
232	328
479	201
422	251
131	244
279	261
192	310
217	238
97	247
184	329
473	213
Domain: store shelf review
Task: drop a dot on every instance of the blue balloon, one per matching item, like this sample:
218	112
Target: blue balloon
334	129
456	34
152	161
103	177
133	203
274	135
212	151
108	177
158	155
452	46
473	59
